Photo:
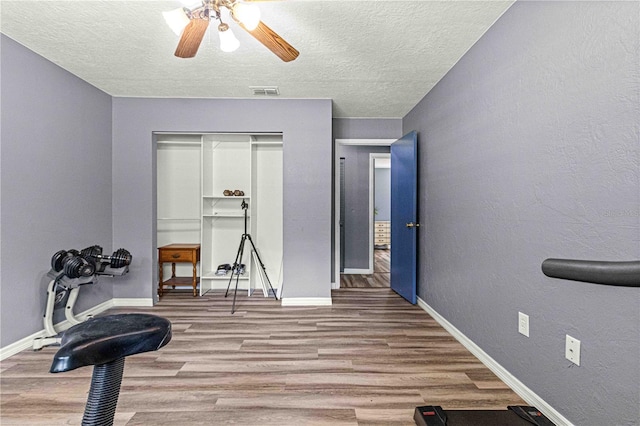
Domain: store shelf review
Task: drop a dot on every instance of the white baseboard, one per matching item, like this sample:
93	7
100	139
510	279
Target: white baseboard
358	271
518	387
306	301
20	345
135	302
27	342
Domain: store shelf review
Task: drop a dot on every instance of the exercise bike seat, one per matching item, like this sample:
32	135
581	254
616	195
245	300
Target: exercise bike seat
101	340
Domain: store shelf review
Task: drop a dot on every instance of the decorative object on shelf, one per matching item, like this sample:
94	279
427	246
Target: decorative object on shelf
239	269
223	269
191	22
238	193
227	193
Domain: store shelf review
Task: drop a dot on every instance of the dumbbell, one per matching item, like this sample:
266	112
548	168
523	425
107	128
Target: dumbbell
79	266
92	251
60	258
74	264
118	259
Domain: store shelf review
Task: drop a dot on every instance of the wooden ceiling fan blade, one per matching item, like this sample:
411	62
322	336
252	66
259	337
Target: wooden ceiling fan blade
272	41
191	38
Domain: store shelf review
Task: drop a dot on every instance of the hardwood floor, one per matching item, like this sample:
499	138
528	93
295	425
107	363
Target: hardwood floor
369	359
379	278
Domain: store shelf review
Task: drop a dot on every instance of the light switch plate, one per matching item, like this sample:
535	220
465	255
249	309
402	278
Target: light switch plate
523	324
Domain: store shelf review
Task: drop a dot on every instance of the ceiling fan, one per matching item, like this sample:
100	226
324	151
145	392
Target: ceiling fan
191	22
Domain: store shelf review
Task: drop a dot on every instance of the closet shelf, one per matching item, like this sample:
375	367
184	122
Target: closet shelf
226	197
213	276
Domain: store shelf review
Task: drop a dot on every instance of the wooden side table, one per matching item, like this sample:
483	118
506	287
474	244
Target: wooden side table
178	253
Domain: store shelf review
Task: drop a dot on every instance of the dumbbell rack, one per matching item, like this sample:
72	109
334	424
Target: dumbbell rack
64	280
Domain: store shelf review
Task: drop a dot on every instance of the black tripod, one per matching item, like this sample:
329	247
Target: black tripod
236	265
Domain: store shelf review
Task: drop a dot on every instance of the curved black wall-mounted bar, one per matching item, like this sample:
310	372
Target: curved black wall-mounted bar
625	274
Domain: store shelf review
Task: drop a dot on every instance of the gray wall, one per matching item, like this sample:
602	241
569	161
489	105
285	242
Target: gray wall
55	176
306	128
529	148
367	128
383	193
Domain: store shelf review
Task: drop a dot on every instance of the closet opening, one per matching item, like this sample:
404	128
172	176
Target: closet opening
205	184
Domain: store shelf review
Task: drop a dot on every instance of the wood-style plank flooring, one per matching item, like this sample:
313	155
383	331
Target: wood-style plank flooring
369	359
379	278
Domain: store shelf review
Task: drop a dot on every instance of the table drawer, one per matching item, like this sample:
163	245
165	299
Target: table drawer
177	255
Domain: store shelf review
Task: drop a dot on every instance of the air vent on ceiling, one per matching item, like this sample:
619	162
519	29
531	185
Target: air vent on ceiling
265	90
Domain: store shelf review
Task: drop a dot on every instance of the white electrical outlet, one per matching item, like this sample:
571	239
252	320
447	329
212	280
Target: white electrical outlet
572	350
523	324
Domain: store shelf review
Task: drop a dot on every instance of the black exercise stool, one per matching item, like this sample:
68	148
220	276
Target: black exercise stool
104	342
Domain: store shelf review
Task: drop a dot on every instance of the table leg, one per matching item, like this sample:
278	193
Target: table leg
195	280
173	273
160	276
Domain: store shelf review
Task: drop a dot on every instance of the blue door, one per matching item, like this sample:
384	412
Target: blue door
404	216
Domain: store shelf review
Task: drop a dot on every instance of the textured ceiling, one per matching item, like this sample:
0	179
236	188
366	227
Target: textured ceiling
373	58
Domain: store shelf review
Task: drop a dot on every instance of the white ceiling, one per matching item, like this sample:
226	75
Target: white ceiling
373	58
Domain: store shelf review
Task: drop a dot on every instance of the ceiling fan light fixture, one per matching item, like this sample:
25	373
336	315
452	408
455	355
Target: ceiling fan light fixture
176	19
228	41
247	14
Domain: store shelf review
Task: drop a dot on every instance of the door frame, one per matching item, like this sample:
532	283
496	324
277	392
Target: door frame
335	284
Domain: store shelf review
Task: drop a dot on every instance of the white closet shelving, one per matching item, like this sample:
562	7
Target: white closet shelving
226	165
249	163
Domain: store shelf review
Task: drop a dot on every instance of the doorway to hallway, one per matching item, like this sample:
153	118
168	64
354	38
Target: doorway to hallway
359	214
377	275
